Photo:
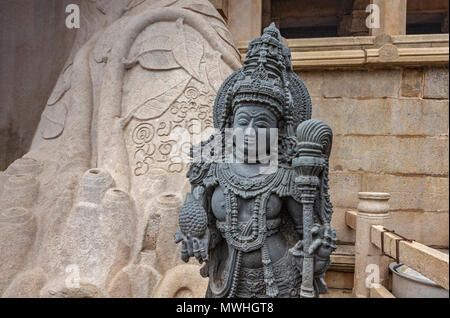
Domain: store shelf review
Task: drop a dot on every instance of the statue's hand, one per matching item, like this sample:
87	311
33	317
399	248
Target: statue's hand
193	232
200	246
193	246
297	249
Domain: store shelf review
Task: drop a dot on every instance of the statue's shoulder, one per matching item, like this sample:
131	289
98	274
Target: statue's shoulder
202	173
286	186
206	155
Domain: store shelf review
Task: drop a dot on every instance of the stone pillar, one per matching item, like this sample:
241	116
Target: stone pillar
392	17
373	209
245	19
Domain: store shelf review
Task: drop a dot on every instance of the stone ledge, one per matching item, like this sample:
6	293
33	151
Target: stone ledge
364	51
390	54
343	259
420	40
379	291
338	293
350	219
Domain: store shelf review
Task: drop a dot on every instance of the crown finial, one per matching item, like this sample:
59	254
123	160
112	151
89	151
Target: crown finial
273	32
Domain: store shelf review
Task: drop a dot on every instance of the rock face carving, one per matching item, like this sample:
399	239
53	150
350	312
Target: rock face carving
90	210
261	233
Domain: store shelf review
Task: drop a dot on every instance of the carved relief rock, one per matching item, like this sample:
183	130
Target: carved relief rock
27	284
17	233
93	204
180	282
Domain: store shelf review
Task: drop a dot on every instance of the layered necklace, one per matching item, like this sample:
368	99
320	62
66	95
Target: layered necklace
252	236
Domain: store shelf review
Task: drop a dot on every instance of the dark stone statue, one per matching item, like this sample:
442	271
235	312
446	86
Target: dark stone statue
261	225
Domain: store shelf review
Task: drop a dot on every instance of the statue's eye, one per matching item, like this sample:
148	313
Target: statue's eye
262	124
243	122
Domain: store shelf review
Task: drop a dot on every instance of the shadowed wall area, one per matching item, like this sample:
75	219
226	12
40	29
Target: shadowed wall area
34	44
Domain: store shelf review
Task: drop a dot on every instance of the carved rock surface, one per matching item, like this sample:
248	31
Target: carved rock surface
91	209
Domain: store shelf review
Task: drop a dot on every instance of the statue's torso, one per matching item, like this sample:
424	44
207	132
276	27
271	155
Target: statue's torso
276	243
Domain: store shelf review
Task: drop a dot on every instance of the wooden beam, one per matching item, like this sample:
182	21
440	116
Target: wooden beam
350	219
379	291
428	261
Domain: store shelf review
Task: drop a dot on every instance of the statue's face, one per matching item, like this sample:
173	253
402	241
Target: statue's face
256	122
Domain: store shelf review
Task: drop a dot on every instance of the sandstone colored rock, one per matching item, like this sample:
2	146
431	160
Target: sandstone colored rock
344	233
420	117
182	281
368	116
436	83
27	284
429	228
361	84
412	192
137	281
17	233
81	206
391	154
344	188
412	82
405	117
353	83
59	289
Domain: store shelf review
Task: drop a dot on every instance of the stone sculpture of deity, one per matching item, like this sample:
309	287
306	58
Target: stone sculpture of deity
261	232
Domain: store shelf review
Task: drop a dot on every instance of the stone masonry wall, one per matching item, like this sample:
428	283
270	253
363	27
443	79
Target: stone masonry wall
391	131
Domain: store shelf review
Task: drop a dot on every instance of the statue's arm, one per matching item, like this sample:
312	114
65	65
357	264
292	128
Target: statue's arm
295	210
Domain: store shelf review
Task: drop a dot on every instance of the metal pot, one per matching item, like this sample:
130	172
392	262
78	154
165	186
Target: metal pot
407	283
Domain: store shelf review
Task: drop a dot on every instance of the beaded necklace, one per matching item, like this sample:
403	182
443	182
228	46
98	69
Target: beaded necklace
260	188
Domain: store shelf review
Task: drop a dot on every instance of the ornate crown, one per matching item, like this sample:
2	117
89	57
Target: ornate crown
270	50
266	79
262	75
258	88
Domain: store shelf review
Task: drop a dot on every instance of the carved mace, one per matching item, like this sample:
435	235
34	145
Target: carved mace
314	138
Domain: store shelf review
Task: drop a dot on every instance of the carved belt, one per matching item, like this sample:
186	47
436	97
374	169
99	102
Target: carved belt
287	279
273	226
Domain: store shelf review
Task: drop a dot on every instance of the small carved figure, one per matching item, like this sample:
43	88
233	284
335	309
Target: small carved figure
262	233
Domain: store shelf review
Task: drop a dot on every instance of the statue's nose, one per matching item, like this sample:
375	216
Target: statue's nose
250	130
